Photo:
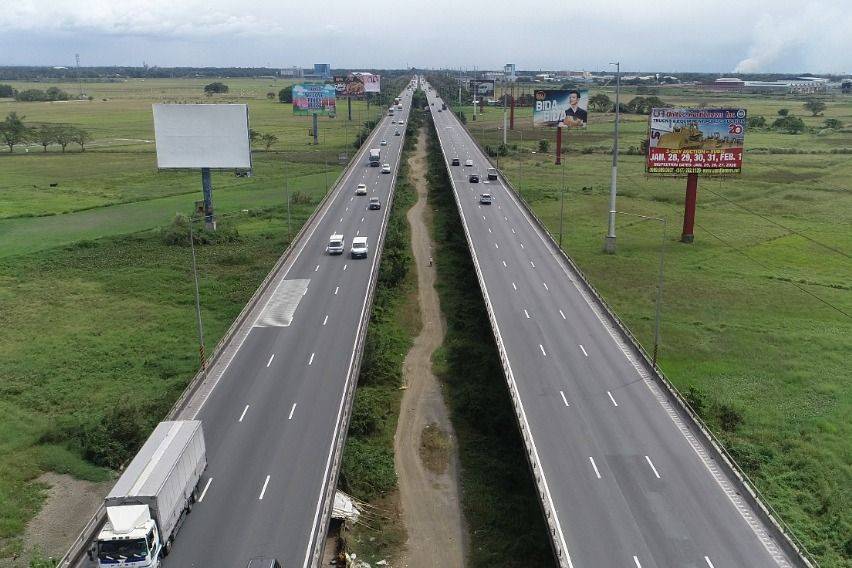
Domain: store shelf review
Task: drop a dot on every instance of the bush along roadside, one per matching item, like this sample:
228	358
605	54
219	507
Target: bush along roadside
367	471
499	499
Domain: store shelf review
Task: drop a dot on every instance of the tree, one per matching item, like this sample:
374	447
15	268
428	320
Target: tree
6	91
543	146
814	106
756	121
833	123
45	135
783	112
81	137
268	140
215	88
63	135
601	103
56	94
789	124
285	95
31	95
13	130
254	135
270	95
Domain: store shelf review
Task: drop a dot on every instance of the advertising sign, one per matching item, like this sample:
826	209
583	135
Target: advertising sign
309	98
563	108
202	136
356	84
696	141
482	87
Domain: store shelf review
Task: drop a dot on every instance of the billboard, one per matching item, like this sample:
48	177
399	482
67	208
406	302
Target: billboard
561	107
310	98
356	84
696	141
202	136
482	87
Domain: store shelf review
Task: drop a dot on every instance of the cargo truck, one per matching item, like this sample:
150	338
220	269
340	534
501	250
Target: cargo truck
150	500
375	157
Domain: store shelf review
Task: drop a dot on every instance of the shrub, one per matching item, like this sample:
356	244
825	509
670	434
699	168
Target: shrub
215	88
543	146
729	417
756	121
789	124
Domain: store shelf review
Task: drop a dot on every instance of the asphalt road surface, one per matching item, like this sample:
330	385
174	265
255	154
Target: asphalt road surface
271	419
631	486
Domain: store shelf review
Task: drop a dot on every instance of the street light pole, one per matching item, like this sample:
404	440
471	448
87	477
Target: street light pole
609	243
561	205
659	300
287	198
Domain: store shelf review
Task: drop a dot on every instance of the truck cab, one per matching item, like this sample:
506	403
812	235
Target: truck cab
129	538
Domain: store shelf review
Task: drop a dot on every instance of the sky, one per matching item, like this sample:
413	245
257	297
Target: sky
722	36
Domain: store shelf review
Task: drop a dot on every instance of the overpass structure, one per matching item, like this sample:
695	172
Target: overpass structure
627	476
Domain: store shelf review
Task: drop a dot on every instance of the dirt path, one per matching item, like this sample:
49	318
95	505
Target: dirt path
424	445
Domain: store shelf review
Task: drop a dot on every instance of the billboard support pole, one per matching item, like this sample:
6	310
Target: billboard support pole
688	236
349	106
207	190
609	243
558	145
316	129
202	358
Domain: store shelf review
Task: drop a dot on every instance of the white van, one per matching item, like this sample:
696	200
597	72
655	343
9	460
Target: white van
336	244
359	247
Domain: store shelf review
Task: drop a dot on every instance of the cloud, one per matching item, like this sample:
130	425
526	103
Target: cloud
811	38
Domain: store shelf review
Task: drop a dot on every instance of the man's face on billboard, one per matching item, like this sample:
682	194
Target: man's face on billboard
573	99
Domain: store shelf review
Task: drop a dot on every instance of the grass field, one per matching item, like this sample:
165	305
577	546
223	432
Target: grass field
756	313
98	332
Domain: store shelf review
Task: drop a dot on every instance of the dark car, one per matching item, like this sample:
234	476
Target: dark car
374	203
473	178
456	162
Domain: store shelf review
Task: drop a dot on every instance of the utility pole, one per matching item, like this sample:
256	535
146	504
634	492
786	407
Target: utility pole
504	113
562	205
201	354
79	77
287	198
609	243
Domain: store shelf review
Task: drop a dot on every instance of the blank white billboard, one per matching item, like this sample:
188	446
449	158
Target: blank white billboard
202	136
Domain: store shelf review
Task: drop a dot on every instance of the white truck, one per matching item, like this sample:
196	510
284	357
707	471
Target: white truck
151	498
375	157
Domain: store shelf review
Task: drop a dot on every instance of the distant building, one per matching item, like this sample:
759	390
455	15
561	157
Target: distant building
799	86
726	84
292	72
322	70
509	72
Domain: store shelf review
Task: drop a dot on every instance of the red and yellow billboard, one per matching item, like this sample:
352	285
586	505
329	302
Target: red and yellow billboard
696	141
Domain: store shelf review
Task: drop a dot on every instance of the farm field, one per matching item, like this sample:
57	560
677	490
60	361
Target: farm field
756	322
99	333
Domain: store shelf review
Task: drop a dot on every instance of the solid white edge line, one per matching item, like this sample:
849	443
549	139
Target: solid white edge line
292	410
565	400
654	469
595	466
263	490
271	357
243	415
206	487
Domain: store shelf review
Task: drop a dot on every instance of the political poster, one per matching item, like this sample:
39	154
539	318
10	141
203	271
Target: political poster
310	98
696	141
567	108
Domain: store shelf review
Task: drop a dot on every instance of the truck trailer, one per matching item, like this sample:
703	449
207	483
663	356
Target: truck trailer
149	501
375	157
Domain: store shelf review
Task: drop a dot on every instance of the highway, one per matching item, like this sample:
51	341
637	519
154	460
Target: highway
275	410
630	484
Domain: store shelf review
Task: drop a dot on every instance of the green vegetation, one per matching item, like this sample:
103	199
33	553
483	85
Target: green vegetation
756	313
499	499
98	336
367	471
